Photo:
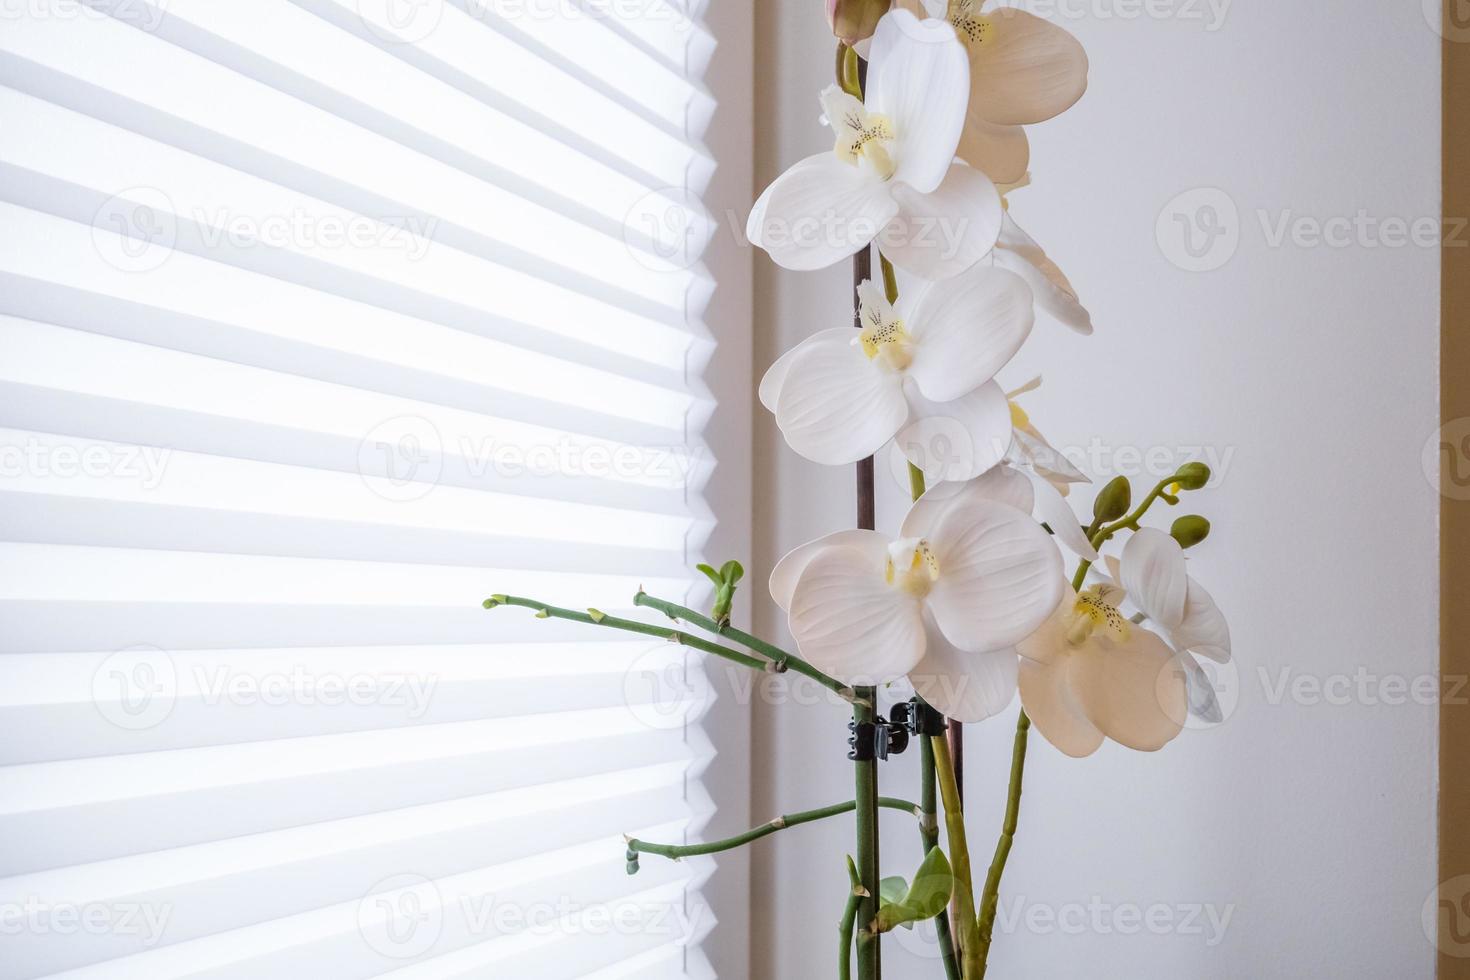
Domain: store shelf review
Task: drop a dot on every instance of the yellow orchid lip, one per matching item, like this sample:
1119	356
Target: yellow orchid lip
971	27
920	566
1095	609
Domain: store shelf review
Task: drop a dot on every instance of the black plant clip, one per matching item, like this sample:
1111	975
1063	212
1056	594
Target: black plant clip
919	719
876	740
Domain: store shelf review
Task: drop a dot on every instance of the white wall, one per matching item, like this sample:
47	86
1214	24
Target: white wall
1312	370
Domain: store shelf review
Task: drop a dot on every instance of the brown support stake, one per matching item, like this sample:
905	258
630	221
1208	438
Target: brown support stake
869	944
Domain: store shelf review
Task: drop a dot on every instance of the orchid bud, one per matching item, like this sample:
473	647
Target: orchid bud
1192	476
1190	531
1114	500
855	20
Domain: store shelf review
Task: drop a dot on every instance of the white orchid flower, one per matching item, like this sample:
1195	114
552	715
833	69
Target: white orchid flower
1017	251
926	365
1027	492
1031	450
1152	571
944	604
892	176
1089	673
1023	70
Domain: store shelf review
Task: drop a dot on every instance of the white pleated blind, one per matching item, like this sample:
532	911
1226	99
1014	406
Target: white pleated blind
320	321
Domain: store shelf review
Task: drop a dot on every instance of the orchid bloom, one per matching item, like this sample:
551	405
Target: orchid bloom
1017	251
842	394
1026	492
1023	70
944	604
892	175
1153	573
1089	674
1030	448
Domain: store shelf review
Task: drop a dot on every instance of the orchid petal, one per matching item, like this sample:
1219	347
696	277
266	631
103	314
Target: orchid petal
965	329
1029	71
1047	696
1204	701
1000	576
775	377
820	212
968	687
1002	152
1054	511
919	77
1018	252
957	440
941	234
1204	630
1153	573
836	406
850	623
1134	691
1002	484
788	570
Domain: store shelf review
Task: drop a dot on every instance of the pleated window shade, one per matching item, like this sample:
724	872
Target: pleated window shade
322	321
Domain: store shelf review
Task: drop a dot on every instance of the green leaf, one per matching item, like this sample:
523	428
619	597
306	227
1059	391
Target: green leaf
893	890
904	904
732	571
711	574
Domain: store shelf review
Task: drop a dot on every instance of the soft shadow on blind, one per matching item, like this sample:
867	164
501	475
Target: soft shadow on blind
323	320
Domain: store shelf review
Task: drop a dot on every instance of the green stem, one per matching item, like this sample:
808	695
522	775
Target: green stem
1129	523
929	829
782	660
594	618
990	898
959	859
675	852
866	781
849	920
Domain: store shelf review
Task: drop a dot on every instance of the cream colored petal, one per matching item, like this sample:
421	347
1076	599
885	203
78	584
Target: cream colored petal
1135	691
1047	696
1030	71
1002	152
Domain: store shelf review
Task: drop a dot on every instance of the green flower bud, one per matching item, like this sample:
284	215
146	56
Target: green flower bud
1114	500
855	20
1190	531
1192	476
